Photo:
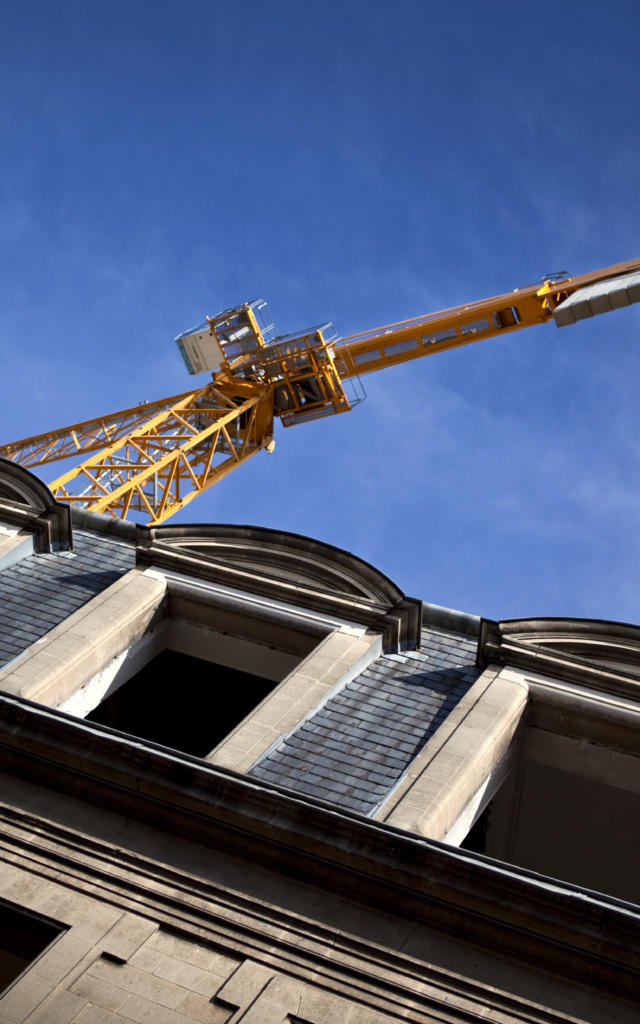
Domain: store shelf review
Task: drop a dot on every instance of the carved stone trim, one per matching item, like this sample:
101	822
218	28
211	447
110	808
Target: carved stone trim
287	567
591	652
259	935
455	764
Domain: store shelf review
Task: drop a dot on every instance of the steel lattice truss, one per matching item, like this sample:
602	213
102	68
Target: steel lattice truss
158	456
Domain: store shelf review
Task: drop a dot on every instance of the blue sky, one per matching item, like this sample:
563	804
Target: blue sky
362	162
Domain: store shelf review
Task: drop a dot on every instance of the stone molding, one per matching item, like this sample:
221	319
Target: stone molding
459	759
98	522
116	905
290	568
554	926
593	653
28	504
337	659
582	712
57	665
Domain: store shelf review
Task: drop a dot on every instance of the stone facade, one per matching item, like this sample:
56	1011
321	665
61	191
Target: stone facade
372	842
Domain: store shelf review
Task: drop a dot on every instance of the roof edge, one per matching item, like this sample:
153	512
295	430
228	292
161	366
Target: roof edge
449	618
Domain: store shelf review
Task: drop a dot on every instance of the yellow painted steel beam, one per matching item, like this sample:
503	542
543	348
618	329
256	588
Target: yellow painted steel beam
85	436
394	344
161	466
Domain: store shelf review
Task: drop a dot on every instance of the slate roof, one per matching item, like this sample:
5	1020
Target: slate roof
355	748
40	591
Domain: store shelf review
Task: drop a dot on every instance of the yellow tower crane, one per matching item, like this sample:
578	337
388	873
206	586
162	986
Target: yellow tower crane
156	457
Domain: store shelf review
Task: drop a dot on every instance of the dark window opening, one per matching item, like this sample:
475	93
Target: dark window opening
23	937
476	838
182	702
576	828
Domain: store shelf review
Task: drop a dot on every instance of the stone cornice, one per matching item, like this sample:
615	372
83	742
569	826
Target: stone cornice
200	910
556	926
592	653
288	568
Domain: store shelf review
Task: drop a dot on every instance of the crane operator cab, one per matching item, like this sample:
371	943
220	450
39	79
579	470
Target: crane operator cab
227	336
241	342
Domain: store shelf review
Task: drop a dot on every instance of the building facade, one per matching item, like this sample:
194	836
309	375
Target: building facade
245	778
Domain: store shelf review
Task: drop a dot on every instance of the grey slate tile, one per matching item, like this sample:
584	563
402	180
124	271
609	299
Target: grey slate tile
359	744
40	591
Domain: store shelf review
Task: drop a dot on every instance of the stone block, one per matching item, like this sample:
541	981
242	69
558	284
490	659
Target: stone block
145	959
19	887
147	1011
195	979
203	1011
62	904
245	984
23	998
106	995
65	954
337	657
279	998
94	1015
210	960
127	935
458	758
60	1008
147	986
90	919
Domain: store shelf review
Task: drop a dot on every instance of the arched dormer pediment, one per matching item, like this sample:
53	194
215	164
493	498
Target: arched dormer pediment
287	567
27	502
575	649
21	487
